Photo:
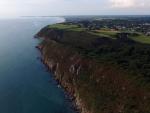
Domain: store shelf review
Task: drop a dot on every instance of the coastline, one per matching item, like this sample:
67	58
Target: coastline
75	102
93	86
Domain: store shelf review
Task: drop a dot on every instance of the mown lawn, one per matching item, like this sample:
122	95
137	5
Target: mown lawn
66	27
106	33
142	39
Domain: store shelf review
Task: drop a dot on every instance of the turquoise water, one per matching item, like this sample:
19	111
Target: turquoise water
25	86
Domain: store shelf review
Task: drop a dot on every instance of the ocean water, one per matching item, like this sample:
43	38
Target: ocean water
25	86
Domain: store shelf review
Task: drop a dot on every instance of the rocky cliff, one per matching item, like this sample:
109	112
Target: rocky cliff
96	86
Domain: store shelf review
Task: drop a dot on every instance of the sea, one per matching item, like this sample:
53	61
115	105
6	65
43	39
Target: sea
25	85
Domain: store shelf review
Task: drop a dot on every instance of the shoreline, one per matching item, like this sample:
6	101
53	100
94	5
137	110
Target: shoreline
93	79
68	96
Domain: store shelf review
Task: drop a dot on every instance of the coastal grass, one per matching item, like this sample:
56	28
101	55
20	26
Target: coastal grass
142	39
108	33
63	26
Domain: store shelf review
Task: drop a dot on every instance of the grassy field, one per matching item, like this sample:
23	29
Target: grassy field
142	39
102	33
106	33
112	34
66	27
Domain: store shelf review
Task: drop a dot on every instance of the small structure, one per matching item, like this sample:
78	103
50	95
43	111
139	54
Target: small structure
148	33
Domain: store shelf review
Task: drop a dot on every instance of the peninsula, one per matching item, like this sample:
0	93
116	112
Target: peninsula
105	70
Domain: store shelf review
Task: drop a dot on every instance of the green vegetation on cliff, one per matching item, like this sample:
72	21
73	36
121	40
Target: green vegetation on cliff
108	71
66	26
139	37
124	49
142	39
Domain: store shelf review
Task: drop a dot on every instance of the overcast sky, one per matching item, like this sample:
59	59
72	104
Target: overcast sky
15	8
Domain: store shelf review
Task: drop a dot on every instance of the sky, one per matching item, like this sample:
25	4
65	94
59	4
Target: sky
14	8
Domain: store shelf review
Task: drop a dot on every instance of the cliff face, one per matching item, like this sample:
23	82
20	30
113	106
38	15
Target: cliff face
96	87
66	66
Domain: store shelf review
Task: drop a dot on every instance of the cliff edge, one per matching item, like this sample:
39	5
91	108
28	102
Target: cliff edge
102	74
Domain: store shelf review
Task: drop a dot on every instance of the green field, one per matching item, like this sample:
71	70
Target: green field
106	33
66	27
112	34
142	39
102	33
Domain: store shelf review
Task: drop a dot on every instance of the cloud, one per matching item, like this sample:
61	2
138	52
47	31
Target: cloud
122	3
72	7
130	4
